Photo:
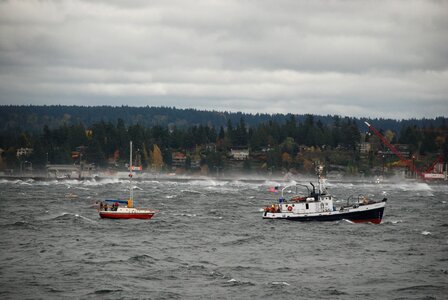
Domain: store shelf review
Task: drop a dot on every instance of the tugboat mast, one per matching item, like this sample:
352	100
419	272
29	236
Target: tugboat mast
320	171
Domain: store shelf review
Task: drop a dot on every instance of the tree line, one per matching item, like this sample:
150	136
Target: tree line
279	141
33	118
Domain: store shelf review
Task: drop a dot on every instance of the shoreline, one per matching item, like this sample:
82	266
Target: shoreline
238	177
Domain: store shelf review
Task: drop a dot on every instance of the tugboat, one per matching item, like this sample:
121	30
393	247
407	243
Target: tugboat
124	209
319	206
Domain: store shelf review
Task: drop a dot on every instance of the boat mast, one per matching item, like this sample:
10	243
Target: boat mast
131	194
320	171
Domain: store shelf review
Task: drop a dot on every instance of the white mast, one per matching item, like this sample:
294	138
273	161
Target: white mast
131	194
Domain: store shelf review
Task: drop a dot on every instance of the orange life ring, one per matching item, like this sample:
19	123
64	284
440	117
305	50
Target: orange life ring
289	208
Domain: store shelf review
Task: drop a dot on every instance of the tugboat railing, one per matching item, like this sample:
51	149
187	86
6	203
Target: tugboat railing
294	185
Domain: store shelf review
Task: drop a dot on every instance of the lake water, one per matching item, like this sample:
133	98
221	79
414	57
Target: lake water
209	240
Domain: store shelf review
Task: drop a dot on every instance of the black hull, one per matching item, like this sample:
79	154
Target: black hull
372	215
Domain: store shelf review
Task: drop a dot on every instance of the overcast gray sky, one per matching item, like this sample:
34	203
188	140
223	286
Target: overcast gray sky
351	58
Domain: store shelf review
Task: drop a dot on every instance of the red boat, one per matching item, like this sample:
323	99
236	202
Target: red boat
115	211
124	209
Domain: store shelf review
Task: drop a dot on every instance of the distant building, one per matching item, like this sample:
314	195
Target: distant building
239	154
266	149
210	147
24	152
304	148
178	159
402	149
195	164
365	147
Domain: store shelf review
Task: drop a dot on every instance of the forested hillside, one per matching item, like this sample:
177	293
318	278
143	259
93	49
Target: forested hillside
101	135
34	118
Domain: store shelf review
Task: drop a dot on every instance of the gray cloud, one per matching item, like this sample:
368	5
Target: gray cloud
356	58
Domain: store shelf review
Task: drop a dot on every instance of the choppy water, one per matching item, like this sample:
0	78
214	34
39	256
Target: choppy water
209	241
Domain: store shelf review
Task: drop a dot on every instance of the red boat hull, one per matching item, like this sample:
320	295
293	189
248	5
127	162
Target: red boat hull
117	215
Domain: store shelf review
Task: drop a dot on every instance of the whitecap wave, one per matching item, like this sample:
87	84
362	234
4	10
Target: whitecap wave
396	221
235	282
85	218
414	186
186	215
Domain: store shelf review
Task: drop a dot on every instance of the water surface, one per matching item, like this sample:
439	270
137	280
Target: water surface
209	241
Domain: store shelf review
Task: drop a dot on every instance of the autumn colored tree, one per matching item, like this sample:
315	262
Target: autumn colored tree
157	158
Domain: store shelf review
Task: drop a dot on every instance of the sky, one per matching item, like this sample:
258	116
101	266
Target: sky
385	59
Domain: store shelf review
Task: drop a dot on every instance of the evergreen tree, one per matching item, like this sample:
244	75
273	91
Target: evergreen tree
240	134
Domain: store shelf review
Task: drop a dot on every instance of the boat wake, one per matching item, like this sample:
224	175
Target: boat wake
86	219
395	221
348	221
66	216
